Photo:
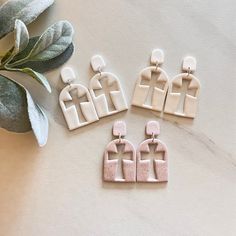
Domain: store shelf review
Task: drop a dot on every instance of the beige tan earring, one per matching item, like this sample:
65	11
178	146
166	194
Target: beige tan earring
183	94
152	84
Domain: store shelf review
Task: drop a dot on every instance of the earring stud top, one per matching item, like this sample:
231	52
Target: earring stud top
119	128
153	128
157	57
67	75
189	64
97	63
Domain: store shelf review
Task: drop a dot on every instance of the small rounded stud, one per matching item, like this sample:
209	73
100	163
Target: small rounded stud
189	64
153	128
157	57
97	63
119	128
67	75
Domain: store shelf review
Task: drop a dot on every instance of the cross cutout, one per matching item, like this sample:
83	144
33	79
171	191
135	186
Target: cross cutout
76	102
106	89
152	83
120	155
184	90
152	156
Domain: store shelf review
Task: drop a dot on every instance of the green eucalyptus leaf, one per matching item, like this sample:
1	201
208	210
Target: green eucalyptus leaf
24	10
13	107
44	66
21	36
21	41
53	42
38	120
19	113
24	53
37	76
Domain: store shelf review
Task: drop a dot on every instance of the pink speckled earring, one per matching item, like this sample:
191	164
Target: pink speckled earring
152	159
119	157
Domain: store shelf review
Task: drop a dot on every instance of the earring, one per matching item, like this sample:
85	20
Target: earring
152	84
119	157
183	94
106	90
155	169
74	99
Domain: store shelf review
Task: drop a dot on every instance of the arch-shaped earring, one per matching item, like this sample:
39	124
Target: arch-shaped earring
105	89
158	165
183	93
115	157
152	84
71	111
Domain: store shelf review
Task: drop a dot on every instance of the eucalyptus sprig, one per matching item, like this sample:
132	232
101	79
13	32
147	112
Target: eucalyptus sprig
30	56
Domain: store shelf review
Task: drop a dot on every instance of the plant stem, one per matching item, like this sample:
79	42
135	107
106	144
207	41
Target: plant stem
17	63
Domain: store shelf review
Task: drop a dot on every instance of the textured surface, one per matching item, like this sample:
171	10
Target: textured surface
146	166
112	165
13	107
152	128
119	129
58	190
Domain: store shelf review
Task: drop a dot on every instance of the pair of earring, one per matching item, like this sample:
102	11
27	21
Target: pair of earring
155	91
123	163
82	106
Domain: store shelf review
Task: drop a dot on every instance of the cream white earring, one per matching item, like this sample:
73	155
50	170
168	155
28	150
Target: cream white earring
105	89
86	107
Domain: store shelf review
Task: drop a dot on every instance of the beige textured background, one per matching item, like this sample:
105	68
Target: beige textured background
58	190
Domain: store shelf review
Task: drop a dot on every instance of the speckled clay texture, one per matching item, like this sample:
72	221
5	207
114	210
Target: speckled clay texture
128	165
144	165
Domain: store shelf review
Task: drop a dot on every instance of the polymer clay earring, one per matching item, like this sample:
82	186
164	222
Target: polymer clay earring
76	102
152	157
183	93
119	157
106	90
152	84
